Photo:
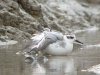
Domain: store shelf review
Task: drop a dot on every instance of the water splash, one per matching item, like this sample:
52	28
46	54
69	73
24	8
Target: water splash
8	42
93	29
94	69
90	46
90	29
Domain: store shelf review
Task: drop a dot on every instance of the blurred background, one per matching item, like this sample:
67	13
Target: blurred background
20	19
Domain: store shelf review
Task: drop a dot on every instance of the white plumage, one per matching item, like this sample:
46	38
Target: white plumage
54	43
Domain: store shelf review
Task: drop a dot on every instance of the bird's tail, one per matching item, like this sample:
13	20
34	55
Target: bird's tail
20	53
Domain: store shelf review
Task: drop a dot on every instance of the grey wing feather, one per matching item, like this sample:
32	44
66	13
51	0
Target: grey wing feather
32	42
49	38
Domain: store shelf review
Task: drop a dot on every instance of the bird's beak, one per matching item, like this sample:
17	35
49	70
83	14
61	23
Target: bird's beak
78	42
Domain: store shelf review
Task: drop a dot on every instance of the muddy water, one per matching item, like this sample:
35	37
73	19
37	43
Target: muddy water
82	58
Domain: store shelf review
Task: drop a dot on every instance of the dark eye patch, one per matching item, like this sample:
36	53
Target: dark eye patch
70	37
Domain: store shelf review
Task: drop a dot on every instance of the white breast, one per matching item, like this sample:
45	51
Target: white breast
59	48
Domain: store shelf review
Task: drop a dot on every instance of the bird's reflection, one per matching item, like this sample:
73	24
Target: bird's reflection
60	65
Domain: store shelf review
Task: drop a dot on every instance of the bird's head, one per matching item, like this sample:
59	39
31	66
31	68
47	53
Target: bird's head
72	39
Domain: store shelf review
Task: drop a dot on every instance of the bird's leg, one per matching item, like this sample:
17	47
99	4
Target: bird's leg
40	53
33	51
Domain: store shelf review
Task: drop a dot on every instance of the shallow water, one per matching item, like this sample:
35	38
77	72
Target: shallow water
81	59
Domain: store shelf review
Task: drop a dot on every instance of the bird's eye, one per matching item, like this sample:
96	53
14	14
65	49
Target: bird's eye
70	37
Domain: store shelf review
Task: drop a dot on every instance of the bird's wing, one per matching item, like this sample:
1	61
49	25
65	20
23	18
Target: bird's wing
36	39
41	41
33	42
44	40
49	38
